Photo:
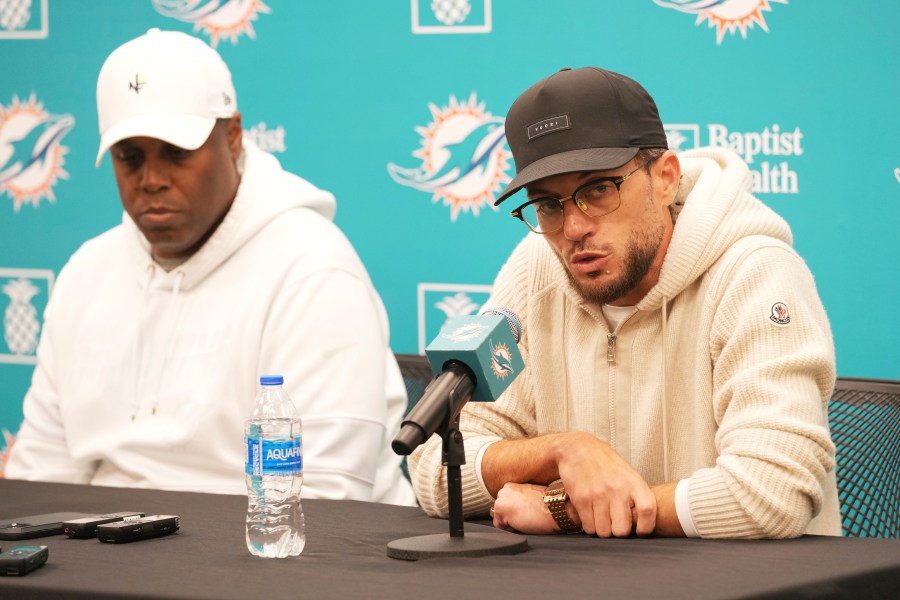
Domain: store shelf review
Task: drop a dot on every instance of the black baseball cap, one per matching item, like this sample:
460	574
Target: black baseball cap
586	119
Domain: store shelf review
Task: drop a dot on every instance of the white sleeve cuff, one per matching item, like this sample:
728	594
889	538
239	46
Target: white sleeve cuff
478	458
683	508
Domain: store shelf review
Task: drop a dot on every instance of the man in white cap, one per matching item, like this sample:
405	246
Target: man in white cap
678	359
225	267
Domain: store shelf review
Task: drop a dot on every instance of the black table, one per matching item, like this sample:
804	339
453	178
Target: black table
345	557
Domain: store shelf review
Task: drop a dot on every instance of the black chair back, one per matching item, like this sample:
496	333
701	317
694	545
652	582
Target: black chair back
864	415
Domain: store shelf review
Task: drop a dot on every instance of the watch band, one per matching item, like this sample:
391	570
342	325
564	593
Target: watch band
555	497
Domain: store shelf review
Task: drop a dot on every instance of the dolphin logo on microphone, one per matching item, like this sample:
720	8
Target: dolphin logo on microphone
501	360
475	369
468	331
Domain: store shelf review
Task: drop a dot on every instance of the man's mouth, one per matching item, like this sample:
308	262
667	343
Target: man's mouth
157	215
588	262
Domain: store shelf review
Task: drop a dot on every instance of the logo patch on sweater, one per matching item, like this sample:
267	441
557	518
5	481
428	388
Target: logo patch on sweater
780	314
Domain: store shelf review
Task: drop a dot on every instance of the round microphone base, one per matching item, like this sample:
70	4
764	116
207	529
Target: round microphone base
486	542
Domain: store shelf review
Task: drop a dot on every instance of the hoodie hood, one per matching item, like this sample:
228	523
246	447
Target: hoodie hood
266	191
714	208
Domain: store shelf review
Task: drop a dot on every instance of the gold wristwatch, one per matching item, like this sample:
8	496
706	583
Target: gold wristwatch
555	498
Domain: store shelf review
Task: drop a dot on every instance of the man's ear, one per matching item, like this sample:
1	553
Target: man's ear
666	176
235	133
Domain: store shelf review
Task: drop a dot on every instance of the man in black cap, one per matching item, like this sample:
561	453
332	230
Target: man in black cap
678	358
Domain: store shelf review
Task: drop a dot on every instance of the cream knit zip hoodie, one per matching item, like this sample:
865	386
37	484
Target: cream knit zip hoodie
743	385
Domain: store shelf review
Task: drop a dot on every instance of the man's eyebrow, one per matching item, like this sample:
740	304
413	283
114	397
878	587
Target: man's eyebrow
122	144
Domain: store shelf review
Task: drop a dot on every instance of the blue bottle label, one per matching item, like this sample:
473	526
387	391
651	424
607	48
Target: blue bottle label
274	457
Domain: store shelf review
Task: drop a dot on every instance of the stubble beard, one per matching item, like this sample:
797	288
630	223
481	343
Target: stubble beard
640	254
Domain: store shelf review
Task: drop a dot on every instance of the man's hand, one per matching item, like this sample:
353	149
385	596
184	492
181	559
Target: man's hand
610	497
520	506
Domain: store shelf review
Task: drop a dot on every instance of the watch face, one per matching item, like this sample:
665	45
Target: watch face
555	492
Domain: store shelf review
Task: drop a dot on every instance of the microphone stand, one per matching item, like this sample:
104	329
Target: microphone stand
453	457
485	541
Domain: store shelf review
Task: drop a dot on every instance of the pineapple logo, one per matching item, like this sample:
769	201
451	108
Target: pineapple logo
439	302
216	18
31	152
457	305
24	292
451	16
727	16
15	14
451	12
23	19
20	323
463	154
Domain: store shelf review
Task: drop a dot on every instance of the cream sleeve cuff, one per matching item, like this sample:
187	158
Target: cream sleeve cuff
478	458
683	508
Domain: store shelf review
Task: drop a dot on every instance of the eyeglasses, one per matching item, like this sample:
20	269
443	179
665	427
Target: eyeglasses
596	198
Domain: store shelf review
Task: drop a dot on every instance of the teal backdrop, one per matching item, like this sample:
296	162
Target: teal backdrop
377	101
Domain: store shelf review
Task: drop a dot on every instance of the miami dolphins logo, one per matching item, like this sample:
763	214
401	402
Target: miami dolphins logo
727	16
464	159
31	153
216	18
501	360
469	331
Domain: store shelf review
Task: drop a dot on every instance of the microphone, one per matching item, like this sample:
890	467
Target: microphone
476	358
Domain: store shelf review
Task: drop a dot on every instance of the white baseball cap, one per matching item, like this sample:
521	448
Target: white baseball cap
166	85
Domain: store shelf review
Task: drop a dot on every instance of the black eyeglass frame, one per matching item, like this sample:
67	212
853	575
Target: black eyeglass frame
616	181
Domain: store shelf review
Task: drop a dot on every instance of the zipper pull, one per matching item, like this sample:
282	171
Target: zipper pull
611	349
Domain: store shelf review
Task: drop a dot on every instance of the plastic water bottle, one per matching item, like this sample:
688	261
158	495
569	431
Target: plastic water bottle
274	473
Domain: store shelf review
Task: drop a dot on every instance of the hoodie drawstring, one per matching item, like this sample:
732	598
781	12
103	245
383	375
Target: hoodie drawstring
136	351
170	328
171	322
664	416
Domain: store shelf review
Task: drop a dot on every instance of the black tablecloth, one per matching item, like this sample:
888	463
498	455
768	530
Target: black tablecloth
345	557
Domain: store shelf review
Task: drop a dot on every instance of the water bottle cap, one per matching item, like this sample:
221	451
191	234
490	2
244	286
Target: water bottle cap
271	380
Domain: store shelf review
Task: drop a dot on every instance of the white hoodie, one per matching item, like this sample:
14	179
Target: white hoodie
145	377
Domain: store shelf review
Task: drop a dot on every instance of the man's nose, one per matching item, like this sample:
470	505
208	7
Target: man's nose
154	175
576	223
